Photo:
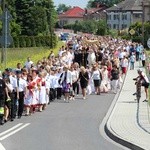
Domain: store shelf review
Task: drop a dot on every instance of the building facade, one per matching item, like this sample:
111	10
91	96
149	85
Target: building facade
97	13
122	15
71	16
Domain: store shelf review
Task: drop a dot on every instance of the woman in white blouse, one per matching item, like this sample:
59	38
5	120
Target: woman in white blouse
97	78
143	58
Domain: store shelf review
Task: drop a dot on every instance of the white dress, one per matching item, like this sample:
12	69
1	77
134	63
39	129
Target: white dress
29	95
105	84
35	97
42	92
105	77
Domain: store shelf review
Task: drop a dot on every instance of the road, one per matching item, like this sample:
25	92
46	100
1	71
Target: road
62	126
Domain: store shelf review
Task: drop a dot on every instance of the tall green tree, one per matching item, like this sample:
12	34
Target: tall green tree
35	17
15	28
62	8
23	13
109	3
51	15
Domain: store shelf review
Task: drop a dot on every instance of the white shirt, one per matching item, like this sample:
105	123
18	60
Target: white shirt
13	82
143	57
28	64
96	75
124	63
69	77
10	87
22	85
52	81
75	75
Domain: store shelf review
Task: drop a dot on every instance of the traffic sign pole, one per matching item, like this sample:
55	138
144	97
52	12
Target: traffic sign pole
6	38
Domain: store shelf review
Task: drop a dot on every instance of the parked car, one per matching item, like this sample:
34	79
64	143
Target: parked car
64	36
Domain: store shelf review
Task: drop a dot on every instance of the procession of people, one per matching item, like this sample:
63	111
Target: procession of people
91	65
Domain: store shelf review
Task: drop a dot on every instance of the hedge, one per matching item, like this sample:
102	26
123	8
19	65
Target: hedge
34	41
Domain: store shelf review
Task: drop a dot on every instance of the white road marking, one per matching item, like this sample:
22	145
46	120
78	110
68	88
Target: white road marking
16	126
2	147
13	132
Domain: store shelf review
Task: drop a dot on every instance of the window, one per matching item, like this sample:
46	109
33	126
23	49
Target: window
115	17
109	26
114	26
124	26
109	17
124	17
137	15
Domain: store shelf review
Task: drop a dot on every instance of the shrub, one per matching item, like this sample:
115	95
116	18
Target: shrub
22	41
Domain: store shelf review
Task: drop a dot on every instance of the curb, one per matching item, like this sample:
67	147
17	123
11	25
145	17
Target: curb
119	140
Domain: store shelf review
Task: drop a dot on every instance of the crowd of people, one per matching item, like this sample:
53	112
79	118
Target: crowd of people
84	65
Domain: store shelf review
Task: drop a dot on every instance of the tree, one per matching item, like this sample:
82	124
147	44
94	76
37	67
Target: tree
35	16
23	13
51	15
89	26
109	3
101	28
62	8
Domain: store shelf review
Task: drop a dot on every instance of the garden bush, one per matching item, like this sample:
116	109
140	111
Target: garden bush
34	41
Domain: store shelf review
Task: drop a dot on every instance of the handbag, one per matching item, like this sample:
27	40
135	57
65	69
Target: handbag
144	83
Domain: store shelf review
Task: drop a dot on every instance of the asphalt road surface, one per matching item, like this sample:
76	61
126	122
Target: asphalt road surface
62	126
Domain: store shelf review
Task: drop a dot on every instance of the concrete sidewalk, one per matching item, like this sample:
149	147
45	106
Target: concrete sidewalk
129	122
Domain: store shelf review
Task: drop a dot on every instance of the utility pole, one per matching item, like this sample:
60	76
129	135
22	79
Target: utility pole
143	20
5	39
2	51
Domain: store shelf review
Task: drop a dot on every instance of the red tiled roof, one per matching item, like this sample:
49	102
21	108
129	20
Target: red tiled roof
75	12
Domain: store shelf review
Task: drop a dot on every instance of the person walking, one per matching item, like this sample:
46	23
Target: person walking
132	61
97	78
84	79
114	79
43	92
105	80
75	85
7	112
15	93
3	93
143	58
145	83
22	88
124	65
66	81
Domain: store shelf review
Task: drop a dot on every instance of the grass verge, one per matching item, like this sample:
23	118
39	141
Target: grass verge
19	55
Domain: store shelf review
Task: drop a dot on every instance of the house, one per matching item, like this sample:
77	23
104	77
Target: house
146	5
71	16
127	12
95	13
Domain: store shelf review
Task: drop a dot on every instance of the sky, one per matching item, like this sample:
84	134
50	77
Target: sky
80	3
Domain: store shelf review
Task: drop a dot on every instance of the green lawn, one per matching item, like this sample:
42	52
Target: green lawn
15	55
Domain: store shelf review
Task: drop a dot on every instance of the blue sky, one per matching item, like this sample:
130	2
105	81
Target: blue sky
80	3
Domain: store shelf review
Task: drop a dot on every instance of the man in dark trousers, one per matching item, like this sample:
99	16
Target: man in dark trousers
15	93
3	92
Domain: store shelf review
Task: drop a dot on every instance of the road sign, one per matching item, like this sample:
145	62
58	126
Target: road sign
148	43
132	32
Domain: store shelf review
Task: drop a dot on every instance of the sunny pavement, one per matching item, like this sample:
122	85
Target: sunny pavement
128	120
